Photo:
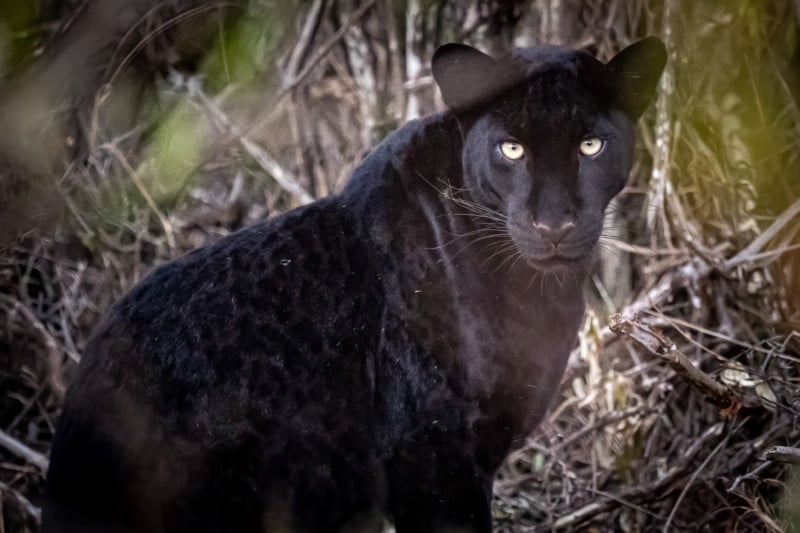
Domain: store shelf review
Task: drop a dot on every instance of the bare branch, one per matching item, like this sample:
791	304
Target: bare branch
54	354
658	345
789	215
23	451
323	50
306	38
640	493
32	510
782	454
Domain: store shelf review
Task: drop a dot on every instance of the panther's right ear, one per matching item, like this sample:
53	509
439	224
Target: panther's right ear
634	74
463	74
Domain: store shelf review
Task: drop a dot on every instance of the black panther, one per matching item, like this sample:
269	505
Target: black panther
376	354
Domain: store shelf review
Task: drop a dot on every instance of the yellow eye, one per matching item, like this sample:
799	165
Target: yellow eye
591	146
512	150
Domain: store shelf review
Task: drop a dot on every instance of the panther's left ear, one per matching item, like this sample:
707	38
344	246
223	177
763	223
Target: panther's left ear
633	74
464	75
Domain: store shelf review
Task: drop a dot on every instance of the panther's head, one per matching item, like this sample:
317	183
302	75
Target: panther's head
548	138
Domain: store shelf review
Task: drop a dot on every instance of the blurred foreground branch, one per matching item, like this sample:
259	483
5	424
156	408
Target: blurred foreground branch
282	177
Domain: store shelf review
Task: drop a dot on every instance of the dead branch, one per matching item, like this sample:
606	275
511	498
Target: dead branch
660	346
789	215
54	356
300	49
33	511
691	271
326	47
22	451
782	454
750	475
604	421
641	493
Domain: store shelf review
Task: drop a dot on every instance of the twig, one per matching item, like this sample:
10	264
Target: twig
137	180
306	38
688	484
789	215
282	176
782	454
687	273
325	48
684	275
21	450
639	494
27	406
23	502
54	356
606	420
749	475
664	348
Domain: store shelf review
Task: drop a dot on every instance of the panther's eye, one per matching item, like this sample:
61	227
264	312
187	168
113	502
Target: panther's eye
591	146
512	150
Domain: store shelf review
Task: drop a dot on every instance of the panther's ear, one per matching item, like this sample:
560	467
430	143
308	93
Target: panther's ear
464	75
633	75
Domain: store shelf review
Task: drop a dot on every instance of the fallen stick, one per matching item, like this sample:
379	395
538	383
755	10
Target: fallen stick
658	345
782	454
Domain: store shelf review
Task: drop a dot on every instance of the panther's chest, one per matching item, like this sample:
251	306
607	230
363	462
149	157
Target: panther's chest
503	336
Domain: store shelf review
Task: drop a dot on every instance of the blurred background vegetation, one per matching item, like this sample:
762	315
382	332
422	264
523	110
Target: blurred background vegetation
132	131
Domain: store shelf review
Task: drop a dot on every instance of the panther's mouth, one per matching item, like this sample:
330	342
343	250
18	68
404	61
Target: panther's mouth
561	257
554	263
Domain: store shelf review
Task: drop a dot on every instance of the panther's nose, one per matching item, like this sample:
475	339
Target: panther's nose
554	235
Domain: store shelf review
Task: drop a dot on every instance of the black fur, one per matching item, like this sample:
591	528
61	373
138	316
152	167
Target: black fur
376	353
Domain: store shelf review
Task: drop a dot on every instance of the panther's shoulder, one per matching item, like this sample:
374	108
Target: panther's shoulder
407	153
